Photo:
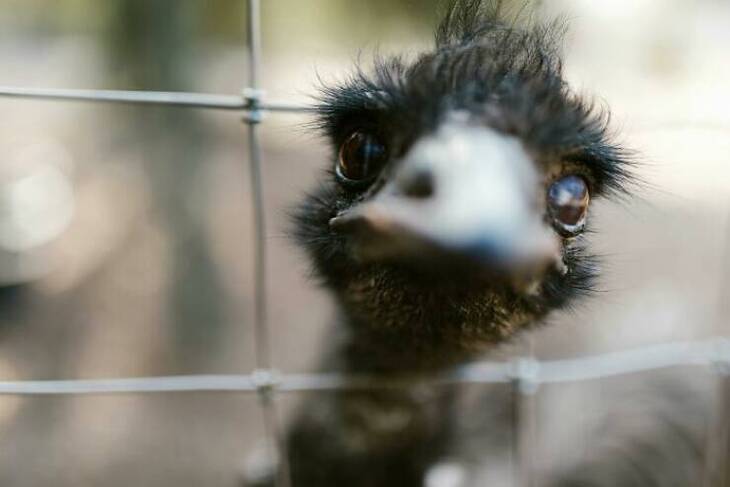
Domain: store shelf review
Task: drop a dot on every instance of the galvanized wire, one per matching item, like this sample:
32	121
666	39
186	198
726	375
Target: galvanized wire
162	98
529	373
253	118
717	470
524	417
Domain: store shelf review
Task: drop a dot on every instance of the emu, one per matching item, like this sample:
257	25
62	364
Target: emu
451	218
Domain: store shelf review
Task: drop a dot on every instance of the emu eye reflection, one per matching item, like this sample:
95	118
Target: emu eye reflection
362	155
568	200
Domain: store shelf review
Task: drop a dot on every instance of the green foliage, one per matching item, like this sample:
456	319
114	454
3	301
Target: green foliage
220	20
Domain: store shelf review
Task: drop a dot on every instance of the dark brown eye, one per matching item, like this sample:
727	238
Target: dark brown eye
568	200
362	155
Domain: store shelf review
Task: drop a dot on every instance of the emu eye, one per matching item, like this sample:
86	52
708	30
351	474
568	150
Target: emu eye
568	200
362	155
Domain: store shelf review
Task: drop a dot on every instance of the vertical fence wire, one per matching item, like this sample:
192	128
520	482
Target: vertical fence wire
253	119
529	415
723	452
717	467
266	389
718	434
524	420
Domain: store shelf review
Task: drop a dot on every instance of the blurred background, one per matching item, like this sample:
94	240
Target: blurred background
126	232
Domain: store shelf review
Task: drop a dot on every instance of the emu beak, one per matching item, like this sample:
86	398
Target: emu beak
467	195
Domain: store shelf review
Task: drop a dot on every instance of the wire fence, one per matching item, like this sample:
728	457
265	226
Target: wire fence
525	373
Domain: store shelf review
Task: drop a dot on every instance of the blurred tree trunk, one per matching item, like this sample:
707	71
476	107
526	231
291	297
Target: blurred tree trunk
150	45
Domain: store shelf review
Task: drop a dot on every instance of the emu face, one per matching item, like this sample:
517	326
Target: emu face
460	186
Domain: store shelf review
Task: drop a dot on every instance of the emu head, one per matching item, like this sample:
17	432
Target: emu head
460	185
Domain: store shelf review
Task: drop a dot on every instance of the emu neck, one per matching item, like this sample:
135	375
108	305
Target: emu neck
381	437
396	321
401	351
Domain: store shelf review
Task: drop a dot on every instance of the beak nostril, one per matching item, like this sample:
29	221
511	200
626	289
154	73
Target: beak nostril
419	185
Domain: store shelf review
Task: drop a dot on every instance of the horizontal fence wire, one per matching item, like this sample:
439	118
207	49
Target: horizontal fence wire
710	353
243	103
168	98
